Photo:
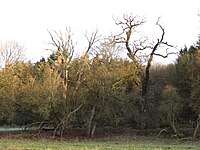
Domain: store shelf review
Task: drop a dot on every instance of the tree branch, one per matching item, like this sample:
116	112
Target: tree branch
93	39
165	56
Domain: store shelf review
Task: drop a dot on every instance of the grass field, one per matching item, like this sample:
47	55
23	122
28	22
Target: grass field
133	144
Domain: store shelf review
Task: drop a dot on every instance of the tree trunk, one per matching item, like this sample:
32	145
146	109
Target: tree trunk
174	127
93	130
90	128
196	129
173	124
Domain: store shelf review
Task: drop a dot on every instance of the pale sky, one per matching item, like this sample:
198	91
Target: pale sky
27	21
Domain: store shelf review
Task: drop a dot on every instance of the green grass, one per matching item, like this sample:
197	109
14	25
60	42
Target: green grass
134	144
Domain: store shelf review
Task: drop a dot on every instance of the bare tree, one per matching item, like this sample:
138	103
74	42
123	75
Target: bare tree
141	48
108	50
65	49
10	52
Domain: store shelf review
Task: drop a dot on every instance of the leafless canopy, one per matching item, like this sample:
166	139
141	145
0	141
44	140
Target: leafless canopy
11	52
91	41
63	43
129	25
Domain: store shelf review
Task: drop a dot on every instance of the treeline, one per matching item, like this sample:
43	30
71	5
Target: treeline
101	89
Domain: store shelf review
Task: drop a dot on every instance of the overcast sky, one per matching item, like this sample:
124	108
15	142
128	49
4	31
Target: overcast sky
27	21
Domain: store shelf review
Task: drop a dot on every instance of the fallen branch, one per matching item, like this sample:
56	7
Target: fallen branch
163	130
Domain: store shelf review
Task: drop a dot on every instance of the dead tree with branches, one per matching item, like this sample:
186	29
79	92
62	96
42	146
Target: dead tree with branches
141	51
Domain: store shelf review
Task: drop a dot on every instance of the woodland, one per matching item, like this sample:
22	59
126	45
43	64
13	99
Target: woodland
101	88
